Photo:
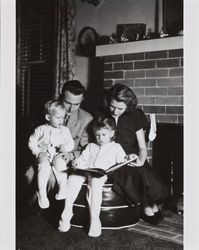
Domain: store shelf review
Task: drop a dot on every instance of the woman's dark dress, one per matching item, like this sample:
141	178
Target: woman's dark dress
136	184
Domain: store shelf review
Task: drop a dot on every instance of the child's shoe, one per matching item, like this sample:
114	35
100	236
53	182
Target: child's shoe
61	195
43	200
95	228
64	226
64	223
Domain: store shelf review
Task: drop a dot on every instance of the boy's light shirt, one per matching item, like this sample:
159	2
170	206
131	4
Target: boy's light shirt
46	138
95	156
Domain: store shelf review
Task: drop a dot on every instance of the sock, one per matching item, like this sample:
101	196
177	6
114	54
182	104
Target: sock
152	132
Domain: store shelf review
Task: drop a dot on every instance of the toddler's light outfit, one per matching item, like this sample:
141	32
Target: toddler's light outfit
94	156
48	139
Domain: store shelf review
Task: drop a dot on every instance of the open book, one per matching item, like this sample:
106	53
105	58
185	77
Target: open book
98	172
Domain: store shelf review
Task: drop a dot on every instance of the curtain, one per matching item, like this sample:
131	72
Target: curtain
64	44
35	54
45	51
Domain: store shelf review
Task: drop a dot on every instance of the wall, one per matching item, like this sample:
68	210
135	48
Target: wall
82	70
104	19
156	78
112	12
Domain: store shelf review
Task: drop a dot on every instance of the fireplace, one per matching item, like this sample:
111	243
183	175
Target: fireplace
154	70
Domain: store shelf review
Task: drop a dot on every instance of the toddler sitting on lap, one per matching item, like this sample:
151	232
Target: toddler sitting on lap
49	144
102	154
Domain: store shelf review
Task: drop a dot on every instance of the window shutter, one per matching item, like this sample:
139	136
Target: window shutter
36	54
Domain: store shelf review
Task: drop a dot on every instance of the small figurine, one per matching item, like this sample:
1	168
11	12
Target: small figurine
123	38
113	38
162	34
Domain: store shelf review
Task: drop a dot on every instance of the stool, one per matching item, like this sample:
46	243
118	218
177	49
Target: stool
115	212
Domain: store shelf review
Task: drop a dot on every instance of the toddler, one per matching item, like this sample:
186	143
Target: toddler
102	154
49	144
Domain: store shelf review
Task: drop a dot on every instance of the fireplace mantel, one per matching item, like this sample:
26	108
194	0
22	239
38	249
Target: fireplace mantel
167	43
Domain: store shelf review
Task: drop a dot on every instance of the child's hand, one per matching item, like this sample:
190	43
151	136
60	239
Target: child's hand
62	148
42	156
76	164
121	160
65	157
43	147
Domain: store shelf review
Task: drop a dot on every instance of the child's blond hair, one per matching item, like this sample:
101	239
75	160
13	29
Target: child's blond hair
53	106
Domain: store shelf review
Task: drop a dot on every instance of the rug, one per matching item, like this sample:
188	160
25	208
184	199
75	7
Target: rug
35	232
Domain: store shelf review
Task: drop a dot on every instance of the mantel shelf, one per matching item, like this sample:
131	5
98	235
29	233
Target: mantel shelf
167	43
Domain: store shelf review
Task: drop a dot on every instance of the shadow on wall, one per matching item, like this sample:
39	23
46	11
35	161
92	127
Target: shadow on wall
94	93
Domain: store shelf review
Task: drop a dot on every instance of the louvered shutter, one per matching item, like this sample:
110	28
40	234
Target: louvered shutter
36	54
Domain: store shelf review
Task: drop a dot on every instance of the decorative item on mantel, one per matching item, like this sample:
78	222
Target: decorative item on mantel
162	33
131	32
125	33
107	39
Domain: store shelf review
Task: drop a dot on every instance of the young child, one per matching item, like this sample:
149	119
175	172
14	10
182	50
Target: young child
48	144
102	154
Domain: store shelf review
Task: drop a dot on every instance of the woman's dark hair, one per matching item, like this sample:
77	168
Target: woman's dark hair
104	122
122	93
73	86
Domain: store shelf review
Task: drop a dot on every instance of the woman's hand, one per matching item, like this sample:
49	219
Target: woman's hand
136	162
132	157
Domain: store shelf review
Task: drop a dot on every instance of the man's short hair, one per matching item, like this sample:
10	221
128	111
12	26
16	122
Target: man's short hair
73	86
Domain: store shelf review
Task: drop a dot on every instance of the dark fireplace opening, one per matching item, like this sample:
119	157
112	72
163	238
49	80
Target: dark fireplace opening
168	159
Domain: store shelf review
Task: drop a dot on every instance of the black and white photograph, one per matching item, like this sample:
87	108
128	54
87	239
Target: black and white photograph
99	117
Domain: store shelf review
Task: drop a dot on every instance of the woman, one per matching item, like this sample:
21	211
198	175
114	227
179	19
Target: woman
136	182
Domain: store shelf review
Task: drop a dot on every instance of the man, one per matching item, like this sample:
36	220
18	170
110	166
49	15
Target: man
77	120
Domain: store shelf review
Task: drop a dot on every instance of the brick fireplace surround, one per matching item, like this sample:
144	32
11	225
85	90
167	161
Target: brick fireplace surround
154	70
